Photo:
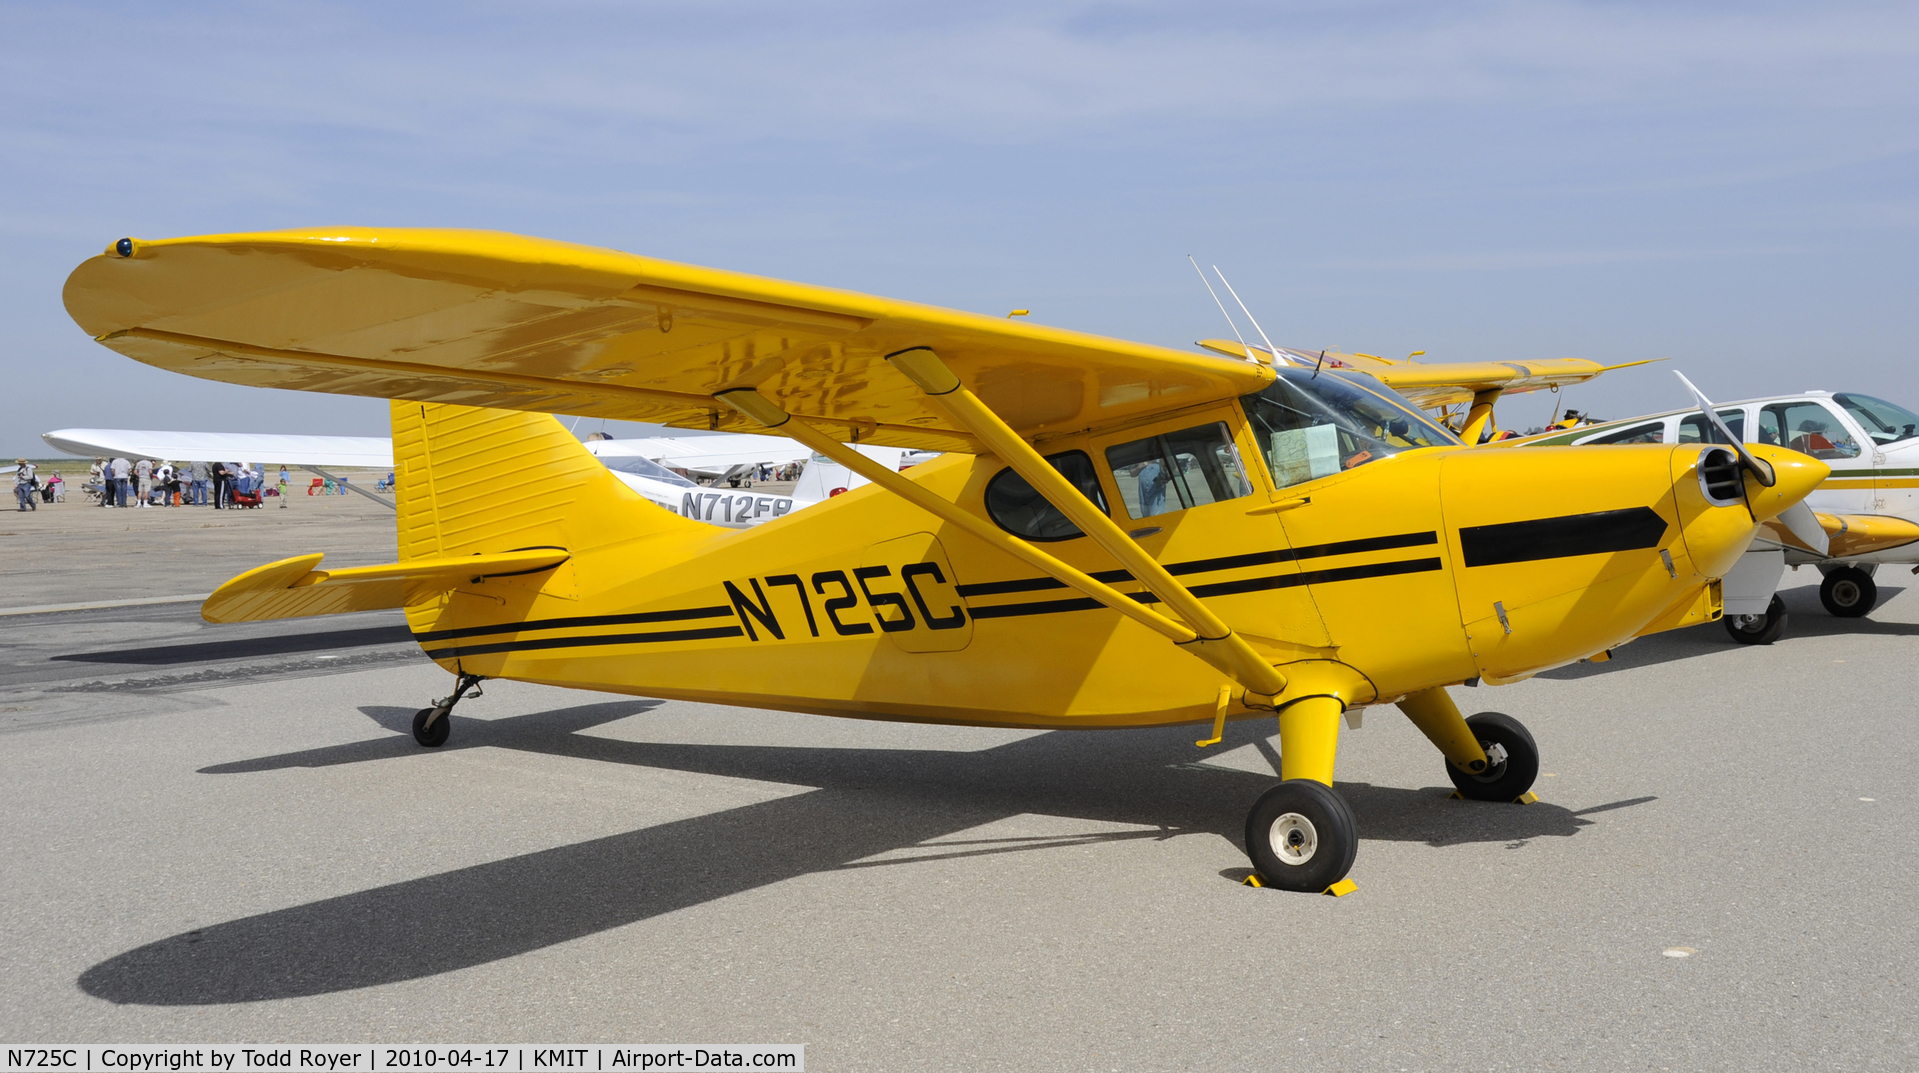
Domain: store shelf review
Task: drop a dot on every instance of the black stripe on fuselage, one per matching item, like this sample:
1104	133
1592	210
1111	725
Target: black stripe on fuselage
1630	529
1224	562
1221	588
532	644
578	622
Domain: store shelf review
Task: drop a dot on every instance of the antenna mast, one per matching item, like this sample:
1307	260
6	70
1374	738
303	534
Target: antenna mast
1230	323
1270	348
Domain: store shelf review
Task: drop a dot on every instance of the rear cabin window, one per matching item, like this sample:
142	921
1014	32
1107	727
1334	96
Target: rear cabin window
1176	470
1696	429
1016	507
1653	433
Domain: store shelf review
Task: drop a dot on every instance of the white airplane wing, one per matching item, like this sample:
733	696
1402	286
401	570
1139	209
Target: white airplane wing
370	452
716	453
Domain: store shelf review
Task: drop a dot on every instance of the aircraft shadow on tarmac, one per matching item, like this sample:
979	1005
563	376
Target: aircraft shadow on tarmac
864	803
247	647
1807	619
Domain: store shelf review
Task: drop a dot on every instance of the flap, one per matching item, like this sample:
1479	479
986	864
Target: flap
484	318
294	588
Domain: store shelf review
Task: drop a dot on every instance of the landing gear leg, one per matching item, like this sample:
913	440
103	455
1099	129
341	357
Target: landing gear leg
1301	835
1489	757
432	725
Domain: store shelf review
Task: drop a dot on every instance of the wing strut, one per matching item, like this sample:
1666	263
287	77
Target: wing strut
1212	640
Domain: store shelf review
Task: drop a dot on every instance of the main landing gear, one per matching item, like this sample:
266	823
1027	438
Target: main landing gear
432	725
1302	836
1759	629
1848	592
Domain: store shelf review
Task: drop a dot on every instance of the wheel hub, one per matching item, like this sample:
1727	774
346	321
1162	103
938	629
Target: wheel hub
1294	839
1495	761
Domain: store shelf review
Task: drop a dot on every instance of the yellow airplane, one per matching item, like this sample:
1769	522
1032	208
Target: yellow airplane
1120	535
1473	386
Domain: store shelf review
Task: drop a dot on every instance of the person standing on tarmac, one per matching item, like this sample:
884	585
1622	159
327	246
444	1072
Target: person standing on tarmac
121	469
24	484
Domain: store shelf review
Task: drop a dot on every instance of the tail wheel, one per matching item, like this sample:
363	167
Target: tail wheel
1302	836
1514	756
1848	592
435	735
1759	629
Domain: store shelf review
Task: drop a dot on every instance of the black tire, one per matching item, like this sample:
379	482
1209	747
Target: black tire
434	736
1848	592
1506	779
1302	836
1763	629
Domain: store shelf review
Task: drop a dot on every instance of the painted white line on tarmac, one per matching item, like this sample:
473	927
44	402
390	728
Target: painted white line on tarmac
47	609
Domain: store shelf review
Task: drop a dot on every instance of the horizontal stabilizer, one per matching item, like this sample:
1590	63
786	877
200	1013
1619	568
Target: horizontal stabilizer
294	588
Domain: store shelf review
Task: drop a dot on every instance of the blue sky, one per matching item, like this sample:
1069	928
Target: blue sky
1728	185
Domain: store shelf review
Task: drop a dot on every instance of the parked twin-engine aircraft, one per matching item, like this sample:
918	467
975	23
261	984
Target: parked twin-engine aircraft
1868	507
1120	535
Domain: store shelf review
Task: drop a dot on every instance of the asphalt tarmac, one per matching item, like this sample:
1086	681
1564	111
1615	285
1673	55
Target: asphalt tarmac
227	834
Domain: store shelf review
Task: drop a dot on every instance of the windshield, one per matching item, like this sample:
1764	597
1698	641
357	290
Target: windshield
645	467
1883	421
1309	427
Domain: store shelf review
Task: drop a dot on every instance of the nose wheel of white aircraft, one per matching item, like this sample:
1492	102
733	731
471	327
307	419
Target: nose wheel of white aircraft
1848	592
432	726
1513	755
1302	836
1759	629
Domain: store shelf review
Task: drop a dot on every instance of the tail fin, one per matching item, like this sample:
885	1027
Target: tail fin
482	480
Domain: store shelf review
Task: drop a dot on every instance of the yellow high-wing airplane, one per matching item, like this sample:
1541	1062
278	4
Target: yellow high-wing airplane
1121	535
1439	386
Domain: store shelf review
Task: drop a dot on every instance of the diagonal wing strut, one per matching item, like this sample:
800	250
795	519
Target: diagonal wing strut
1207	636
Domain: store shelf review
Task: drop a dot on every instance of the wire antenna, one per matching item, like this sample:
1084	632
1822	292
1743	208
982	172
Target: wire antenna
1270	348
1230	323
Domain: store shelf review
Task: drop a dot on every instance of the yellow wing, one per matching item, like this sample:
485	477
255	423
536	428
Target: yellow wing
1445	383
484	318
1851	534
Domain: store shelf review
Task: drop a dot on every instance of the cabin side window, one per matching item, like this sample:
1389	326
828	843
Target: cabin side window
1649	433
1808	428
1018	508
1177	470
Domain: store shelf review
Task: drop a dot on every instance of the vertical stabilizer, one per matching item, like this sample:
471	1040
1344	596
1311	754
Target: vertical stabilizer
473	479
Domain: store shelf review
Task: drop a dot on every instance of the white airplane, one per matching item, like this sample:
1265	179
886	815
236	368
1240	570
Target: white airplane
641	464
1869	507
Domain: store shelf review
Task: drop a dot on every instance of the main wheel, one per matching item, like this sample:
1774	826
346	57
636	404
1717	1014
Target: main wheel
1302	836
1759	629
1848	592
431	736
1515	759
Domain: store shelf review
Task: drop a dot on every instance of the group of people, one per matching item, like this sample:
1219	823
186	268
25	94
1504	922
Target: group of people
149	482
